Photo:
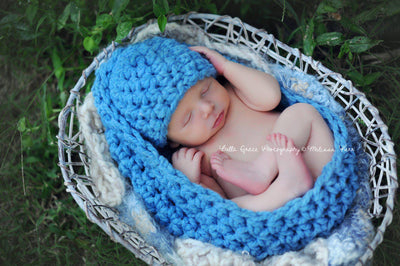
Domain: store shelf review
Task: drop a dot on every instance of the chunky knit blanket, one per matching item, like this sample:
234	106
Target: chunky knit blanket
187	210
343	246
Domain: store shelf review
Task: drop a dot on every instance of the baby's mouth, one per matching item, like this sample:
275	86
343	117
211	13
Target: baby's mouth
219	119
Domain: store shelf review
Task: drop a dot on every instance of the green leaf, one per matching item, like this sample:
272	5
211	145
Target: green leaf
40	22
40	219
118	6
320	28
367	15
212	7
104	21
70	235
166	6
162	22
361	80
62	20
391	8
160	7
349	25
32	159
123	29
330	38
21	125
75	13
308	39
25	35
157	10
97	39
371	77
350	55
10	19
60	83
63	97
31	11
324	7
89	44
57	64
49	107
58	72
356	77
54	229
51	173
24	32
361	44
27	142
344	49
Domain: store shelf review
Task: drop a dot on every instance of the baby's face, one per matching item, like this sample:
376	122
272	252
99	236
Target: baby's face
200	114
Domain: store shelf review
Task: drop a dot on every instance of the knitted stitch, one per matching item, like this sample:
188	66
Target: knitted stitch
189	210
141	84
346	243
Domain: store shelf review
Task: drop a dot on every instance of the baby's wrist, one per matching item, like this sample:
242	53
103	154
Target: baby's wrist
195	180
227	64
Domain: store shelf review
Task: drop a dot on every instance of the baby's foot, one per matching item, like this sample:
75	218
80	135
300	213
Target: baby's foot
291	166
246	175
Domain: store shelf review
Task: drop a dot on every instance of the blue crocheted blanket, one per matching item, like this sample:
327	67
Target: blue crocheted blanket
188	210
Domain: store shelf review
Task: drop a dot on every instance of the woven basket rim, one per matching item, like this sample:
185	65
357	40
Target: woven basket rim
252	37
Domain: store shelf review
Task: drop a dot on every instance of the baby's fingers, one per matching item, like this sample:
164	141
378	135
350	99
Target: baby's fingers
198	155
179	154
191	153
199	49
216	59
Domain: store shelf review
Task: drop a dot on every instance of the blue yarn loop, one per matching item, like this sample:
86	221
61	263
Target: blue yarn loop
188	210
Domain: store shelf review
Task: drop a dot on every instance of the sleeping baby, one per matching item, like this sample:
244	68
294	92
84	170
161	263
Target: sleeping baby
230	137
237	145
230	134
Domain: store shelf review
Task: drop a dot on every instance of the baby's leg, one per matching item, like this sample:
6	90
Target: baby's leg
294	178
310	134
254	177
303	123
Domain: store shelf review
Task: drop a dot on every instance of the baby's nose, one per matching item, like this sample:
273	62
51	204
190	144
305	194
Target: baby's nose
206	108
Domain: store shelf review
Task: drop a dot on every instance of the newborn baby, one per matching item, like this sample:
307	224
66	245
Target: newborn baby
158	92
270	157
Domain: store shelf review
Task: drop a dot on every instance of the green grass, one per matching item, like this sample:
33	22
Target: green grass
44	46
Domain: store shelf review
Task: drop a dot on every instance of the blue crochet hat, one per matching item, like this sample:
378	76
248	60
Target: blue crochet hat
140	85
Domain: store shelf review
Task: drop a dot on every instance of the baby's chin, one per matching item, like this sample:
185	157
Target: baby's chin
193	143
208	139
198	143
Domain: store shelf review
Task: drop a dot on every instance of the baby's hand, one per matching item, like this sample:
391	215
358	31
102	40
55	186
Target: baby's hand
214	57
188	161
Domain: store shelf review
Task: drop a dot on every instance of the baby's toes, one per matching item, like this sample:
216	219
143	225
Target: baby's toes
282	140
216	163
222	155
290	143
217	159
278	139
272	139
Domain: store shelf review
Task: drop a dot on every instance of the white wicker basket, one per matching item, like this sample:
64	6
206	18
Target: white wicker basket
377	143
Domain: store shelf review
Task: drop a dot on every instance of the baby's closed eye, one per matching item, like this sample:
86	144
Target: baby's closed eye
205	89
188	118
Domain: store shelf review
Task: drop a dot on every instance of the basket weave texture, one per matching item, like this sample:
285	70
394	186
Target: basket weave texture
365	117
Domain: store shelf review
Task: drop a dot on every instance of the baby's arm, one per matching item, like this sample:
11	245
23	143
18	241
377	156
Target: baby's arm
188	161
258	90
